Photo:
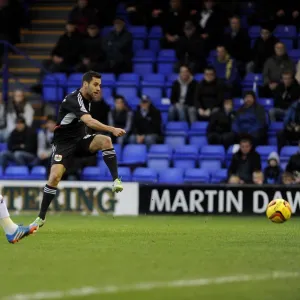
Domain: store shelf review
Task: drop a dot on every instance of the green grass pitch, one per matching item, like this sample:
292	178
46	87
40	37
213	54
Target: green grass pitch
73	251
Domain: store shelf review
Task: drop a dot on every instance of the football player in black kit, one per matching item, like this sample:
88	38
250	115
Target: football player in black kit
71	139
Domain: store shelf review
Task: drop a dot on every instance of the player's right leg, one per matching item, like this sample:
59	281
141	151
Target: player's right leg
50	189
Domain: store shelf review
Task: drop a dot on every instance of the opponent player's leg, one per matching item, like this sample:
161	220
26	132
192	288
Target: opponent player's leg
13	232
104	143
50	190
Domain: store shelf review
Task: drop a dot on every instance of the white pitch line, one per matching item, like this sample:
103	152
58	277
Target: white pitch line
148	286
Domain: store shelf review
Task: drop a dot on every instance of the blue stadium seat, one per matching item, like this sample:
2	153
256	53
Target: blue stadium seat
274	128
198	128
128	80
166	55
104	171
133	102
272	140
127	92
231	151
158	164
198	140
108	80
199	77
294	54
106	92
186	151
165	68
250	78
154	45
142	68
283	165
138	32
211	166
3	146
124	173
170	79
168	92
152	92
38	173
74	82
155	32
267	103
287	151
212	152
144	175
153	80
118	149
177	128
144	56
134	154
138	44
237	103
1	173
184	164
264	151
285	31
53	86
171	175
17	172
196	176
175	141
93	173
254	31
160	151
289	43
219	176
106	30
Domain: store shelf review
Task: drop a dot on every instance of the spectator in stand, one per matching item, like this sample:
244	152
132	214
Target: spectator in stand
274	67
45	137
286	12
297	76
219	127
157	9
120	116
3	112
273	171
67	50
251	120
93	55
22	145
117	47
105	10
18	107
182	96
287	178
137	12
234	179
293	165
238	44
287	92
99	111
190	49
264	48
173	21
146	128
226	69
81	15
291	132
209	96
245	161
258	177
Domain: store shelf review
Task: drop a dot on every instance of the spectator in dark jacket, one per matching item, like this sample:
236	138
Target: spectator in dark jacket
173	21
182	96
274	67
293	165
82	14
146	128
251	119
22	145
67	50
209	96
273	171
93	56
245	161
291	123
219	127
264	48
190	49
120	116
3	112
117	47
285	94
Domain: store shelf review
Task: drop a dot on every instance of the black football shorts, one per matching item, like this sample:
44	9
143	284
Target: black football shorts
65	153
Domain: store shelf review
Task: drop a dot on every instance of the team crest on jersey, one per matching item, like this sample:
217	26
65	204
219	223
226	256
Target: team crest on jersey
57	157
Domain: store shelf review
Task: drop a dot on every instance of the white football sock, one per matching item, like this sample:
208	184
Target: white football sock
5	221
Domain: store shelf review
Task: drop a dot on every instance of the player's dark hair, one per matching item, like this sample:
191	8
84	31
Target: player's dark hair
88	76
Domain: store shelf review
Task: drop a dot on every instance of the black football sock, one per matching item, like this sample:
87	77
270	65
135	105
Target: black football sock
48	196
110	158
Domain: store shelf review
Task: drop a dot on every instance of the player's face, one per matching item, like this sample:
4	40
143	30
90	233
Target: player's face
94	88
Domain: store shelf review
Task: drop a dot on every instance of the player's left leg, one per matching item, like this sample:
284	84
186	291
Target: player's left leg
14	233
104	143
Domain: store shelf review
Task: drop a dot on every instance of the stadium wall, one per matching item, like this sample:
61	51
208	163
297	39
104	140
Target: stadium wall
96	198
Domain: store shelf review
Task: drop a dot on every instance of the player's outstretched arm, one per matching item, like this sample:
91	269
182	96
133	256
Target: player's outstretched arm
98	126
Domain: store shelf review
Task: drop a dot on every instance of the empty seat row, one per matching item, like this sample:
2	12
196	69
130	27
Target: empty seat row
23	173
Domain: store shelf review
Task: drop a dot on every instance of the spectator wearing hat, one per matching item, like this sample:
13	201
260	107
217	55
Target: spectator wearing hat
147	125
120	116
273	171
93	55
190	49
182	96
264	48
22	145
117	46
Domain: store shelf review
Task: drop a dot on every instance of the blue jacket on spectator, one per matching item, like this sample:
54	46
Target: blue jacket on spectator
293	114
227	70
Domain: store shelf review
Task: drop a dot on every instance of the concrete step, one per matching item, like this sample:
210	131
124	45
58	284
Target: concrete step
25	72
50	12
19	61
41	36
54	3
48	24
36	48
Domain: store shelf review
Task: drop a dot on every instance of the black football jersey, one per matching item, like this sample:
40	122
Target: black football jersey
69	126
